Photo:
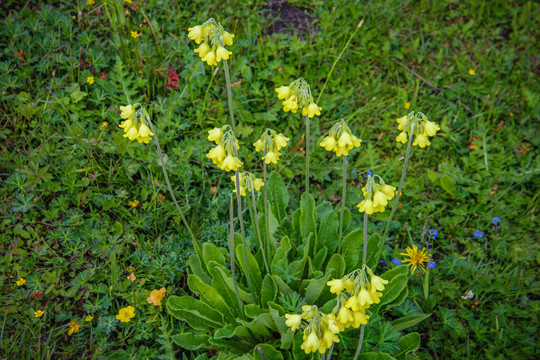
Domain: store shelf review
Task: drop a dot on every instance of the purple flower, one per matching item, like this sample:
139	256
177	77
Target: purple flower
396	261
478	234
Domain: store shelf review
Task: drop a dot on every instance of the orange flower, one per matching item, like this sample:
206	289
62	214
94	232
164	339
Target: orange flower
156	296
132	277
73	327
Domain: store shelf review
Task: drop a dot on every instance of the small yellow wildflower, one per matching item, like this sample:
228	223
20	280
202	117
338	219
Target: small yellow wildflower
73	327
416	258
90	80
156	296
126	314
20	282
89	318
407	105
472	72
104	125
38	313
128	1
135	34
134	203
90	2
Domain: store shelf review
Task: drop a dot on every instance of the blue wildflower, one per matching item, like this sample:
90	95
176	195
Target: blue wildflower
369	173
478	234
396	261
434	233
431	265
496	220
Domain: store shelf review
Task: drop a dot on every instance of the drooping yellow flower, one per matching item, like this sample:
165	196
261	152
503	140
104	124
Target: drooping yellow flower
311	343
127	111
293	321
156	296
20	282
215	134
38	313
126	314
270	143
73	327
213	38
416	258
376	196
247	181
135	126
340	139
297	95
420	126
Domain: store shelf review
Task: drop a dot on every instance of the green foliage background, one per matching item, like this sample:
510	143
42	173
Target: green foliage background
67	180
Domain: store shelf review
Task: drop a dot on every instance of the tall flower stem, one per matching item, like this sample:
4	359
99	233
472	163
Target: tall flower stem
231	249
343	198
401	181
364	258
244	244
229	95
255	221
307	174
196	244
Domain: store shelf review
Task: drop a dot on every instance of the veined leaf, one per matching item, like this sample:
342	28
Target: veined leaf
408	321
278	196
210	295
196	313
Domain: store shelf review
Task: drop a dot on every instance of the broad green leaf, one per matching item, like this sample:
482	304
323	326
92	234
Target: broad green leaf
297	267
374	250
307	206
287	336
296	224
319	258
223	283
228	344
328	232
225	332
448	184
433	176
408	343
77	96
282	250
298	352
269	290
393	289
277	195
196	268
398	270
337	263
211	252
352	249
210	295
269	352
331	304
316	288
253	310
197	314
400	298
191	341
283	288
408	321
262	325
272	222
253	266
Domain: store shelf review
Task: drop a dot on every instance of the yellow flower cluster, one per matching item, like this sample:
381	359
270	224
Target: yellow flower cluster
213	38
156	296
225	154
340	139
270	144
247	181
126	314
420	126
376	196
298	95
134	126
354	296
319	333
416	258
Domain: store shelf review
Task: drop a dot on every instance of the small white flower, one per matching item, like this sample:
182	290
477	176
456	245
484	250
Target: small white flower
469	295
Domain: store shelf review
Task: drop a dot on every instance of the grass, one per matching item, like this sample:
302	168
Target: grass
69	176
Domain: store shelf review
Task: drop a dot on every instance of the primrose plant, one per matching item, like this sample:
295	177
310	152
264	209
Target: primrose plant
308	278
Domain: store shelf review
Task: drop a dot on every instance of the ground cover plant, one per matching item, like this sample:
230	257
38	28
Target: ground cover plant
96	242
